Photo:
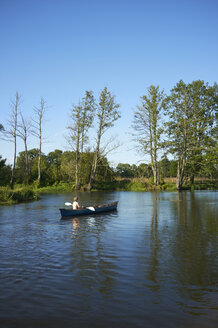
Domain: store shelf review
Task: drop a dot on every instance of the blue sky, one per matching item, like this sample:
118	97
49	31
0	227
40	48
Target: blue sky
59	49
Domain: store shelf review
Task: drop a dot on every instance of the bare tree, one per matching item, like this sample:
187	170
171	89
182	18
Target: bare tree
11	134
40	113
23	131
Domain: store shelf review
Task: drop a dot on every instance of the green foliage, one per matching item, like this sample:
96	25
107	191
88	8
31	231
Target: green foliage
9	196
126	170
5	172
148	125
190	133
107	114
191	113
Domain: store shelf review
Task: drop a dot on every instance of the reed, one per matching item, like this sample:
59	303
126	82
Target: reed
12	196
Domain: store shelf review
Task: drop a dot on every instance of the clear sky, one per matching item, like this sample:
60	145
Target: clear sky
60	48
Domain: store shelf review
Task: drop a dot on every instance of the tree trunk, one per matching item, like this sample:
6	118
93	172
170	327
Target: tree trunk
192	179
95	161
155	174
180	174
77	183
27	164
13	168
39	159
93	171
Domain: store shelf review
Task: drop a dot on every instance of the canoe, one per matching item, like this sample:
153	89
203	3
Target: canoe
66	212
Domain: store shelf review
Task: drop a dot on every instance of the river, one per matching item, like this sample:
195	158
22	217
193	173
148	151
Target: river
153	263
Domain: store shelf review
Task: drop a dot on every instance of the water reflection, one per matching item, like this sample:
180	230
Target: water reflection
157	254
93	264
193	250
153	266
75	226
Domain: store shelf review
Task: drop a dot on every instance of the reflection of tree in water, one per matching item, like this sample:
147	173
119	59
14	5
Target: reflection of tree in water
153	266
93	264
194	246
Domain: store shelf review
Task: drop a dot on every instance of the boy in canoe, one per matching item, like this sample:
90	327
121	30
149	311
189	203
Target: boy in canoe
75	203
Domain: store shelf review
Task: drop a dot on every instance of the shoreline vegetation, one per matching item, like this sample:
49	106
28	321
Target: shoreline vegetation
17	195
176	132
30	193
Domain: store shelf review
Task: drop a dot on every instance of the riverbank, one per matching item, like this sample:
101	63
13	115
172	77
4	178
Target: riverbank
135	184
30	193
12	196
168	184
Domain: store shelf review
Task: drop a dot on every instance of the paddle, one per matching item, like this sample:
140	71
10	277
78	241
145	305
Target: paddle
89	208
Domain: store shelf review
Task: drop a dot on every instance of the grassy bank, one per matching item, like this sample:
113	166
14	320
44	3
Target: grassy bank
168	184
24	194
56	188
12	196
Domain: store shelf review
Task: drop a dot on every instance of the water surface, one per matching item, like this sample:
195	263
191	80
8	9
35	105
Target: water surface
153	263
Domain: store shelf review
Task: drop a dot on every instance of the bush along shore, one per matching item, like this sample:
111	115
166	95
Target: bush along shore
29	193
12	196
133	184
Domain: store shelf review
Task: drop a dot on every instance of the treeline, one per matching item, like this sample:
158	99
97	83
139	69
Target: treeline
181	126
57	167
103	113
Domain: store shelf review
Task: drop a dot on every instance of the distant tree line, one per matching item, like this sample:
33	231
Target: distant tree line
181	126
56	167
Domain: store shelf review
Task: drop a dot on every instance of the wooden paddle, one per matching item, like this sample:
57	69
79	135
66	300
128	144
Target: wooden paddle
91	208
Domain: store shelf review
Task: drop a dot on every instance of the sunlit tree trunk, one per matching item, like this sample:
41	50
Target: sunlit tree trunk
40	112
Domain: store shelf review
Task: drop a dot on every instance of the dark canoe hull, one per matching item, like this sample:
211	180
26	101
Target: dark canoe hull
66	212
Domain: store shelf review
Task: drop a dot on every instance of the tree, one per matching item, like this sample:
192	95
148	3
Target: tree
191	116
147	125
204	107
179	131
54	159
5	172
11	133
87	117
107	114
40	113
23	132
82	117
144	170
67	166
126	170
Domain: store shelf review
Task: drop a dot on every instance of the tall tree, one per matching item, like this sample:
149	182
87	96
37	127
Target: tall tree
82	117
87	117
40	113
11	133
191	116
75	138
107	114
147	125
204	104
24	127
179	127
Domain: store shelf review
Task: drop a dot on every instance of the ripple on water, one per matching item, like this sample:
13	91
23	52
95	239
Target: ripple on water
150	263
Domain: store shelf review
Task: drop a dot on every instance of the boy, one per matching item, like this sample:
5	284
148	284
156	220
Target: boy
75	203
